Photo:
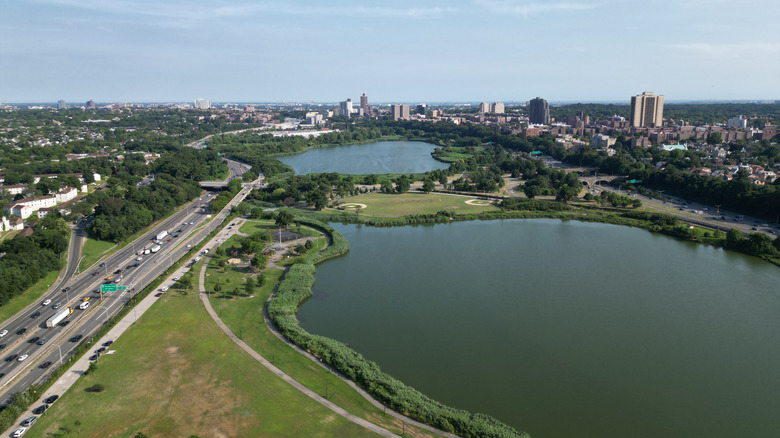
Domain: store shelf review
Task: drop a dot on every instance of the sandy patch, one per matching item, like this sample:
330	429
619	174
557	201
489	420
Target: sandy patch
353	205
479	202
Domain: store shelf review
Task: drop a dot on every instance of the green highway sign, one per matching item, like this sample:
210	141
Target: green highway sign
107	288
122	287
536	153
635	181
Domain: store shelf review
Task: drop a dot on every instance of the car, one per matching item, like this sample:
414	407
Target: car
2	375
139	258
189	246
164	288
764	225
93	274
64	323
29	421
2	346
170	240
175	236
100	350
158	294
76	338
103	264
42	341
10	358
192	223
19	432
754	229
40	409
175	278
51	399
22	357
117	272
179	231
35	315
46	302
3	333
56	306
93	358
706	209
107	343
21	331
45	365
67	288
34	340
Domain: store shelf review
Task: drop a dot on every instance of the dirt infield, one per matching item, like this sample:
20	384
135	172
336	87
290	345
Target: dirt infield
481	202
353	205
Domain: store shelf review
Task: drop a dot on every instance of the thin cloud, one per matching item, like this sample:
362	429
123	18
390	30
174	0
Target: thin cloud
525	9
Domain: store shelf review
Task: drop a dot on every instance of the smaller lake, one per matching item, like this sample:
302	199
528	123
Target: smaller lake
378	158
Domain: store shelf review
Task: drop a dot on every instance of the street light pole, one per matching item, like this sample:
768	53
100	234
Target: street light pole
60	348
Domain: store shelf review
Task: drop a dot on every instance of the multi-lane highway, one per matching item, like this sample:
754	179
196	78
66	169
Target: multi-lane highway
29	324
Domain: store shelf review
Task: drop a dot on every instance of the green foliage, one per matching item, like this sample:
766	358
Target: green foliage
284	218
91	368
19	403
97	387
532	205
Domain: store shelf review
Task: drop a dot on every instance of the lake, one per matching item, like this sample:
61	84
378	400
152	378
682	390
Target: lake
377	158
563	329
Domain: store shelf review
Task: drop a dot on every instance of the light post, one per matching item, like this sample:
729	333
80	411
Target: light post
60	349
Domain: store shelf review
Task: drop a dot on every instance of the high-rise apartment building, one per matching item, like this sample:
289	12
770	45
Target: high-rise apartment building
202	104
399	111
364	104
90	103
484	107
737	122
61	104
345	108
647	111
539	111
497	108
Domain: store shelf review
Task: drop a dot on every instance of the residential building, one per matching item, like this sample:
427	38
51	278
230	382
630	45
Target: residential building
484	107
61	104
421	108
90	103
539	111
737	122
345	108
202	104
497	108
15	189
364	104
602	141
647	111
399	111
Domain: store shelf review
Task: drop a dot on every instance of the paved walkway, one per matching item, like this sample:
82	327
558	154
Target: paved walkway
263	361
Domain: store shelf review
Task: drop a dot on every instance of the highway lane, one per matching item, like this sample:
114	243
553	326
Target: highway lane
86	322
83	285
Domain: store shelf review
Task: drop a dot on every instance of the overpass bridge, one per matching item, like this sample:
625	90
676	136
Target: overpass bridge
591	181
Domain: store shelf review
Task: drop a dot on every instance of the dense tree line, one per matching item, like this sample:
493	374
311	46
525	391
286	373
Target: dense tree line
25	260
693	113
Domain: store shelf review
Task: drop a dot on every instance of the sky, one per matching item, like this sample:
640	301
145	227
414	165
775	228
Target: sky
405	51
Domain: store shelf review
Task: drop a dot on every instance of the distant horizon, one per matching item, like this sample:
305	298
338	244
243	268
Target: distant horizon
764	101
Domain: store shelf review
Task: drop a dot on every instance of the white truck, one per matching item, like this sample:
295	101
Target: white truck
155	248
84	305
58	317
161	235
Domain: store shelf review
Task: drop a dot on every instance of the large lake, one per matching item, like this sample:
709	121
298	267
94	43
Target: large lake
378	158
563	329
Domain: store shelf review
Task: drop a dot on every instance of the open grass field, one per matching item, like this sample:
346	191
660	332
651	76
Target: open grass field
244	316
176	374
397	205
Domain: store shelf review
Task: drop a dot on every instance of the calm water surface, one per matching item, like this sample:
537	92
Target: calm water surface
380	157
563	329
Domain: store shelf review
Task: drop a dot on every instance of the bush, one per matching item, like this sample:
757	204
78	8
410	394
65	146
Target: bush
97	387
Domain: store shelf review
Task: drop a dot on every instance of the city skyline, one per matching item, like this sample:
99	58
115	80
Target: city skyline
457	51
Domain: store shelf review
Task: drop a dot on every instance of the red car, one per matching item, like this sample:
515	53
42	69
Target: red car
158	294
95	273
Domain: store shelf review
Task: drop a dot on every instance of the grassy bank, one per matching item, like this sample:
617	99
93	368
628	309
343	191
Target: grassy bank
31	295
163	381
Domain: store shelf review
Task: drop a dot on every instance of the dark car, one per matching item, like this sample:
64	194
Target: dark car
2	346
100	350
66	289
51	399
103	264
76	338
117	272
158	294
43	341
93	357
175	236
34	340
10	358
94	274
35	315
64	323
45	365
40	409
107	343
21	331
1	376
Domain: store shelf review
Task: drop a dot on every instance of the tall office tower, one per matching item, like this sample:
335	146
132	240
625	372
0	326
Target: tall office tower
484	107
647	111
345	108
364	104
202	104
497	108
90	103
539	111
61	104
421	108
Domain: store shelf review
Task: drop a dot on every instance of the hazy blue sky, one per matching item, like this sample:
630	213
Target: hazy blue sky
406	51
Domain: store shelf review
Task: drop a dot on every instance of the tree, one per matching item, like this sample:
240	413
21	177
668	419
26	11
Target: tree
402	184
318	198
428	186
217	287
284	218
386	186
257	213
714	138
184	282
249	286
308	245
259	261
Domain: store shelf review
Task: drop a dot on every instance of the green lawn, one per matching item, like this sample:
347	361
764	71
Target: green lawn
244	316
93	250
396	205
32	294
175	374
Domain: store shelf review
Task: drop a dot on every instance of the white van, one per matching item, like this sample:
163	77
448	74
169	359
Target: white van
84	305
